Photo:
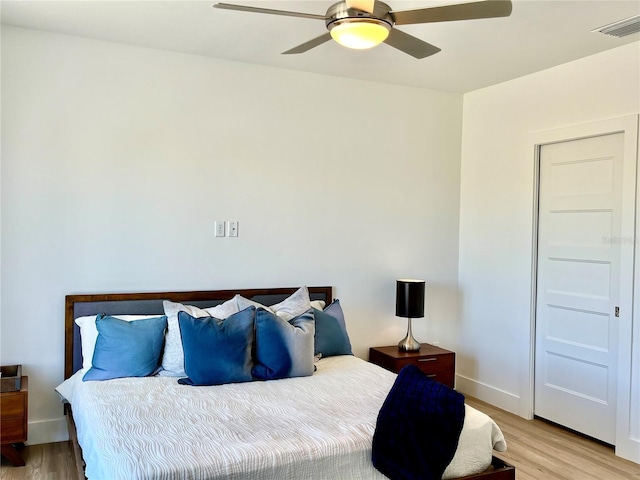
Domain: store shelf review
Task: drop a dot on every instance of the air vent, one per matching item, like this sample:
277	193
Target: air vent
621	28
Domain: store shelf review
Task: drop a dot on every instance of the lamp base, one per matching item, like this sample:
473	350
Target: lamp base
408	343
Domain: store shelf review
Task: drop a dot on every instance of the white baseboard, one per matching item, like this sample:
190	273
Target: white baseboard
501	399
628	448
47	431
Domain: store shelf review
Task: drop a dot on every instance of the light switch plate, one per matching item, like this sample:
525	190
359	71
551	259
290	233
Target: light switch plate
220	228
233	228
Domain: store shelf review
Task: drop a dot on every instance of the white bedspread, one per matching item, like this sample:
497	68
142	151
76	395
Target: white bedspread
317	427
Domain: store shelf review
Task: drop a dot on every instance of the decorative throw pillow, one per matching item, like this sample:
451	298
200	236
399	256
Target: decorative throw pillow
89	334
418	427
331	336
173	357
283	348
290	307
126	349
217	351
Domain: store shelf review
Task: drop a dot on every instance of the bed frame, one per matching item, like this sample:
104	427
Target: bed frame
150	303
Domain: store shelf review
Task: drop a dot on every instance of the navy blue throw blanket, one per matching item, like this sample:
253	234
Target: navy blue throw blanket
418	428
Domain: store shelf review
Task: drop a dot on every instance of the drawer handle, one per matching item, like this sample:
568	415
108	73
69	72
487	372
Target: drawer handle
428	359
431	376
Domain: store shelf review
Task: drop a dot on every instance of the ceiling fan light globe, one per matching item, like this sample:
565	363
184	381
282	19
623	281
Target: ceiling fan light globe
360	34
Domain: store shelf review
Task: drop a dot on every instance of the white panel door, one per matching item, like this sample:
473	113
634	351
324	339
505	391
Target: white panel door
578	285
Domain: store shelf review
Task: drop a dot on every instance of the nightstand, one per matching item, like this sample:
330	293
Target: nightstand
13	421
436	362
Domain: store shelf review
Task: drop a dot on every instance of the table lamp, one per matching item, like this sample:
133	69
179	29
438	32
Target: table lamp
409	304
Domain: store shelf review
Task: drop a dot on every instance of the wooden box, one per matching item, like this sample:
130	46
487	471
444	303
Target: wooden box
11	378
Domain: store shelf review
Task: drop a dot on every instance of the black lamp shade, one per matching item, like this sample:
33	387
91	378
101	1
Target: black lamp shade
410	298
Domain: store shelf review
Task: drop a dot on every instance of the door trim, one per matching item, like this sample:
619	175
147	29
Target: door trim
627	443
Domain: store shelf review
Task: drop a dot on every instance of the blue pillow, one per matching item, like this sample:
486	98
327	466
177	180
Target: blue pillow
283	348
126	349
331	336
217	351
418	427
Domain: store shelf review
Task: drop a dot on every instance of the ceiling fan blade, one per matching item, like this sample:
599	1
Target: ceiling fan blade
364	5
309	45
286	13
410	44
461	11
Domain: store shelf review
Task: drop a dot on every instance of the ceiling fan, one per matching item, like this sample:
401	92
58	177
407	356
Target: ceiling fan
364	24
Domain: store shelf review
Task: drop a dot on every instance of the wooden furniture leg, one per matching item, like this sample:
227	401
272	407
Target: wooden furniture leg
11	454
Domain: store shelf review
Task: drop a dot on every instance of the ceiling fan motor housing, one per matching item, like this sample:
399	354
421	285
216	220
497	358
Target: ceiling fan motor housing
340	13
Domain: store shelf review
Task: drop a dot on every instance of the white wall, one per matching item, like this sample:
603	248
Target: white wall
116	160
496	209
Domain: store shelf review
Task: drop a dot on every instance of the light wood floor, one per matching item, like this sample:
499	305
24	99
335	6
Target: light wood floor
541	451
51	461
538	450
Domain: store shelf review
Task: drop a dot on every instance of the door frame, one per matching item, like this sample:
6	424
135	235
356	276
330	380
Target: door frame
627	440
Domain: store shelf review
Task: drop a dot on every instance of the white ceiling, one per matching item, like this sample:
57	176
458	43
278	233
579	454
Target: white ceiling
539	34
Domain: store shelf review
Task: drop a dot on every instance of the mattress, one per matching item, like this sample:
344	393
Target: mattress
317	427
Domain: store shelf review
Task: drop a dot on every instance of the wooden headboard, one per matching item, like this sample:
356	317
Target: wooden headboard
150	303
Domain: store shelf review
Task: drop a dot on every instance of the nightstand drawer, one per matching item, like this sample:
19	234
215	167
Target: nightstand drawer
11	406
431	364
437	363
13	421
443	377
438	368
13	430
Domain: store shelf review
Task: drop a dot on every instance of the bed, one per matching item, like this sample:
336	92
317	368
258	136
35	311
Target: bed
309	427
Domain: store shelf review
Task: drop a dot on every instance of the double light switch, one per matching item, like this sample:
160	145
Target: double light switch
224	228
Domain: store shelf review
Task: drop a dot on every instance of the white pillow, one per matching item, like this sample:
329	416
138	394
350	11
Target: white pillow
318	304
173	356
291	307
89	333
67	388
